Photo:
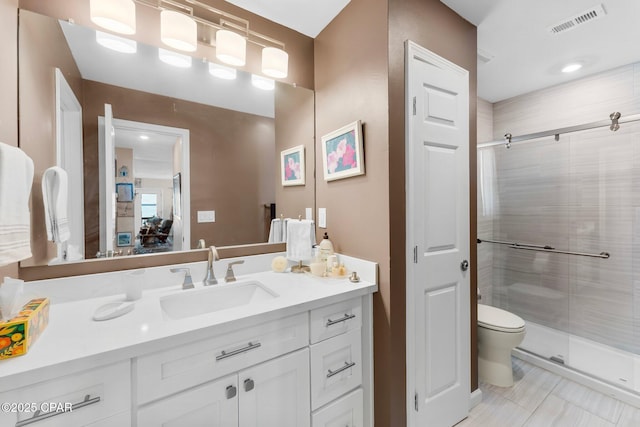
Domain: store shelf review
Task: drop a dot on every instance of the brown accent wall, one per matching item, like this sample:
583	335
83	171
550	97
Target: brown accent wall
436	27
351	84
298	46
9	88
294	125
227	159
42	49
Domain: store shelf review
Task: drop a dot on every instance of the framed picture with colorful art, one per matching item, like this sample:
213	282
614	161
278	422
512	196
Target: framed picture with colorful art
292	166
342	152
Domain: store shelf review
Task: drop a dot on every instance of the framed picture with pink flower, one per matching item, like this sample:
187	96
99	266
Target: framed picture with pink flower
342	152
292	166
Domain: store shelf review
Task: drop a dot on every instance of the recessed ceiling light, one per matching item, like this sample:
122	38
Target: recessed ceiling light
144	137
119	44
571	68
174	58
262	82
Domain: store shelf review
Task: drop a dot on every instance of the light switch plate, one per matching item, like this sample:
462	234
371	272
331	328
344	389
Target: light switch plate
308	213
322	217
206	216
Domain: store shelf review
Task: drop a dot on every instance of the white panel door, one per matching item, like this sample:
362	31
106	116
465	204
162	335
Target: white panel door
438	358
214	404
276	393
106	160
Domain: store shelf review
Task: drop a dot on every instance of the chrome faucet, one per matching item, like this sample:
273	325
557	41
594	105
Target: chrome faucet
230	277
210	278
187	283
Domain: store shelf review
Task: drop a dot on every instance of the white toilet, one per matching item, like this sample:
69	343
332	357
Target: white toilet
498	333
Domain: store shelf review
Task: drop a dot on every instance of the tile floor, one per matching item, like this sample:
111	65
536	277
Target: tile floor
540	398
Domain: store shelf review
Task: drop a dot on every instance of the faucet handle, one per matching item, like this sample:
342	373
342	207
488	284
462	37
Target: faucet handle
187	283
230	277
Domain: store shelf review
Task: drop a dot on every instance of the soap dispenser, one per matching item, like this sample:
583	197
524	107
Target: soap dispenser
326	250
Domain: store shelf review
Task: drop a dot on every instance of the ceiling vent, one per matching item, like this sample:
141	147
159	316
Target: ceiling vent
573	22
484	56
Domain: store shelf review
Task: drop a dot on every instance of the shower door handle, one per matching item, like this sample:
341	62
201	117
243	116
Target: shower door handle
464	265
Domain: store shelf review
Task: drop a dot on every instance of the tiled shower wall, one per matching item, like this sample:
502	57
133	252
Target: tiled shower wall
581	193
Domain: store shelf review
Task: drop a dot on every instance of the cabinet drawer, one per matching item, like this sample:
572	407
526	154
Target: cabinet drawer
123	419
336	367
95	395
174	370
214	404
347	411
335	319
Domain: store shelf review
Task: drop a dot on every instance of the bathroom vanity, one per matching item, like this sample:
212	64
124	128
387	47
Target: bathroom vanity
280	349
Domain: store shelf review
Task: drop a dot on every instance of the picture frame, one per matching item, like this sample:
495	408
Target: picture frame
292	166
123	239
125	192
343	152
177	196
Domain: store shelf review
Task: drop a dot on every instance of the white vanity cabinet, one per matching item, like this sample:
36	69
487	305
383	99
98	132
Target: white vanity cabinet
97	397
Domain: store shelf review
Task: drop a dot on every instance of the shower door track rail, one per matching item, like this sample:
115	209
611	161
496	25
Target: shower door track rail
544	248
614	121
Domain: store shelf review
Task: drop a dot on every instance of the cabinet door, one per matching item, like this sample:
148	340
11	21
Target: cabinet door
276	393
214	404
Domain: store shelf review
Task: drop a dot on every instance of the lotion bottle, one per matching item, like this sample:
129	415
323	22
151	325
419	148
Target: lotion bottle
326	250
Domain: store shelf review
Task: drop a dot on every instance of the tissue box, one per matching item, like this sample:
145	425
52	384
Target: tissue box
17	335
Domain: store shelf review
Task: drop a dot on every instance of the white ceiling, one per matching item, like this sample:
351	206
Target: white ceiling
527	57
308	17
153	157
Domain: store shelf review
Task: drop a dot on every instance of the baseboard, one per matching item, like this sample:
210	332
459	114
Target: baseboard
475	398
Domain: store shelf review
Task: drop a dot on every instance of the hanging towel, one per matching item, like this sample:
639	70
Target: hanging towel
55	196
300	239
275	232
16	177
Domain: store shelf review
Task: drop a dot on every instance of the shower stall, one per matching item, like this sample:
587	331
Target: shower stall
559	244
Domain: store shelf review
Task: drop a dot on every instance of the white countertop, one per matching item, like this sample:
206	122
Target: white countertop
73	341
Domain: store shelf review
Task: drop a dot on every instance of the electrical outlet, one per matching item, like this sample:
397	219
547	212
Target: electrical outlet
206	216
308	213
322	217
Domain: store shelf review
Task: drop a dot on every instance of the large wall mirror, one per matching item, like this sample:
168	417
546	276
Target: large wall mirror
160	153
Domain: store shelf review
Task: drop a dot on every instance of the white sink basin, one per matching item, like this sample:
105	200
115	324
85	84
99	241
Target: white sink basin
214	298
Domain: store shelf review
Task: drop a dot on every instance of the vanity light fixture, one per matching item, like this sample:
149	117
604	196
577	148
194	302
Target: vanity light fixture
118	16
222	71
262	82
275	62
178	31
231	48
174	58
113	42
571	68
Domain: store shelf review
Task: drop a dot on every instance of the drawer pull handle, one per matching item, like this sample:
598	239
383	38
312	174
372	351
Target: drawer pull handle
39	416
231	391
346	366
249	347
342	319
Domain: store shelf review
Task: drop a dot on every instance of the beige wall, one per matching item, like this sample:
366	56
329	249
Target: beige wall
298	46
8	88
294	125
43	48
351	84
227	152
437	28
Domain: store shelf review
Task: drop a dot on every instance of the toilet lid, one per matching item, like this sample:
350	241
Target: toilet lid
498	319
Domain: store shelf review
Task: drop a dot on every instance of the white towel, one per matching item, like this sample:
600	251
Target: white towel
275	232
300	239
55	196
16	177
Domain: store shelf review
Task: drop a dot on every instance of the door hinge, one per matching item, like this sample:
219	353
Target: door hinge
415	401
414	105
415	254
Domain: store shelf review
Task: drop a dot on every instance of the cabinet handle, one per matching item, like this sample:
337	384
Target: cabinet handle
38	416
248	384
346	366
231	391
342	319
249	347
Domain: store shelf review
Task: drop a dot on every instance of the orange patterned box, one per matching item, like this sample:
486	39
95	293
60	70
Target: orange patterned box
17	335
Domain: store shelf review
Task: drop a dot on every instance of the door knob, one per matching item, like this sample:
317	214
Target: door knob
464	265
